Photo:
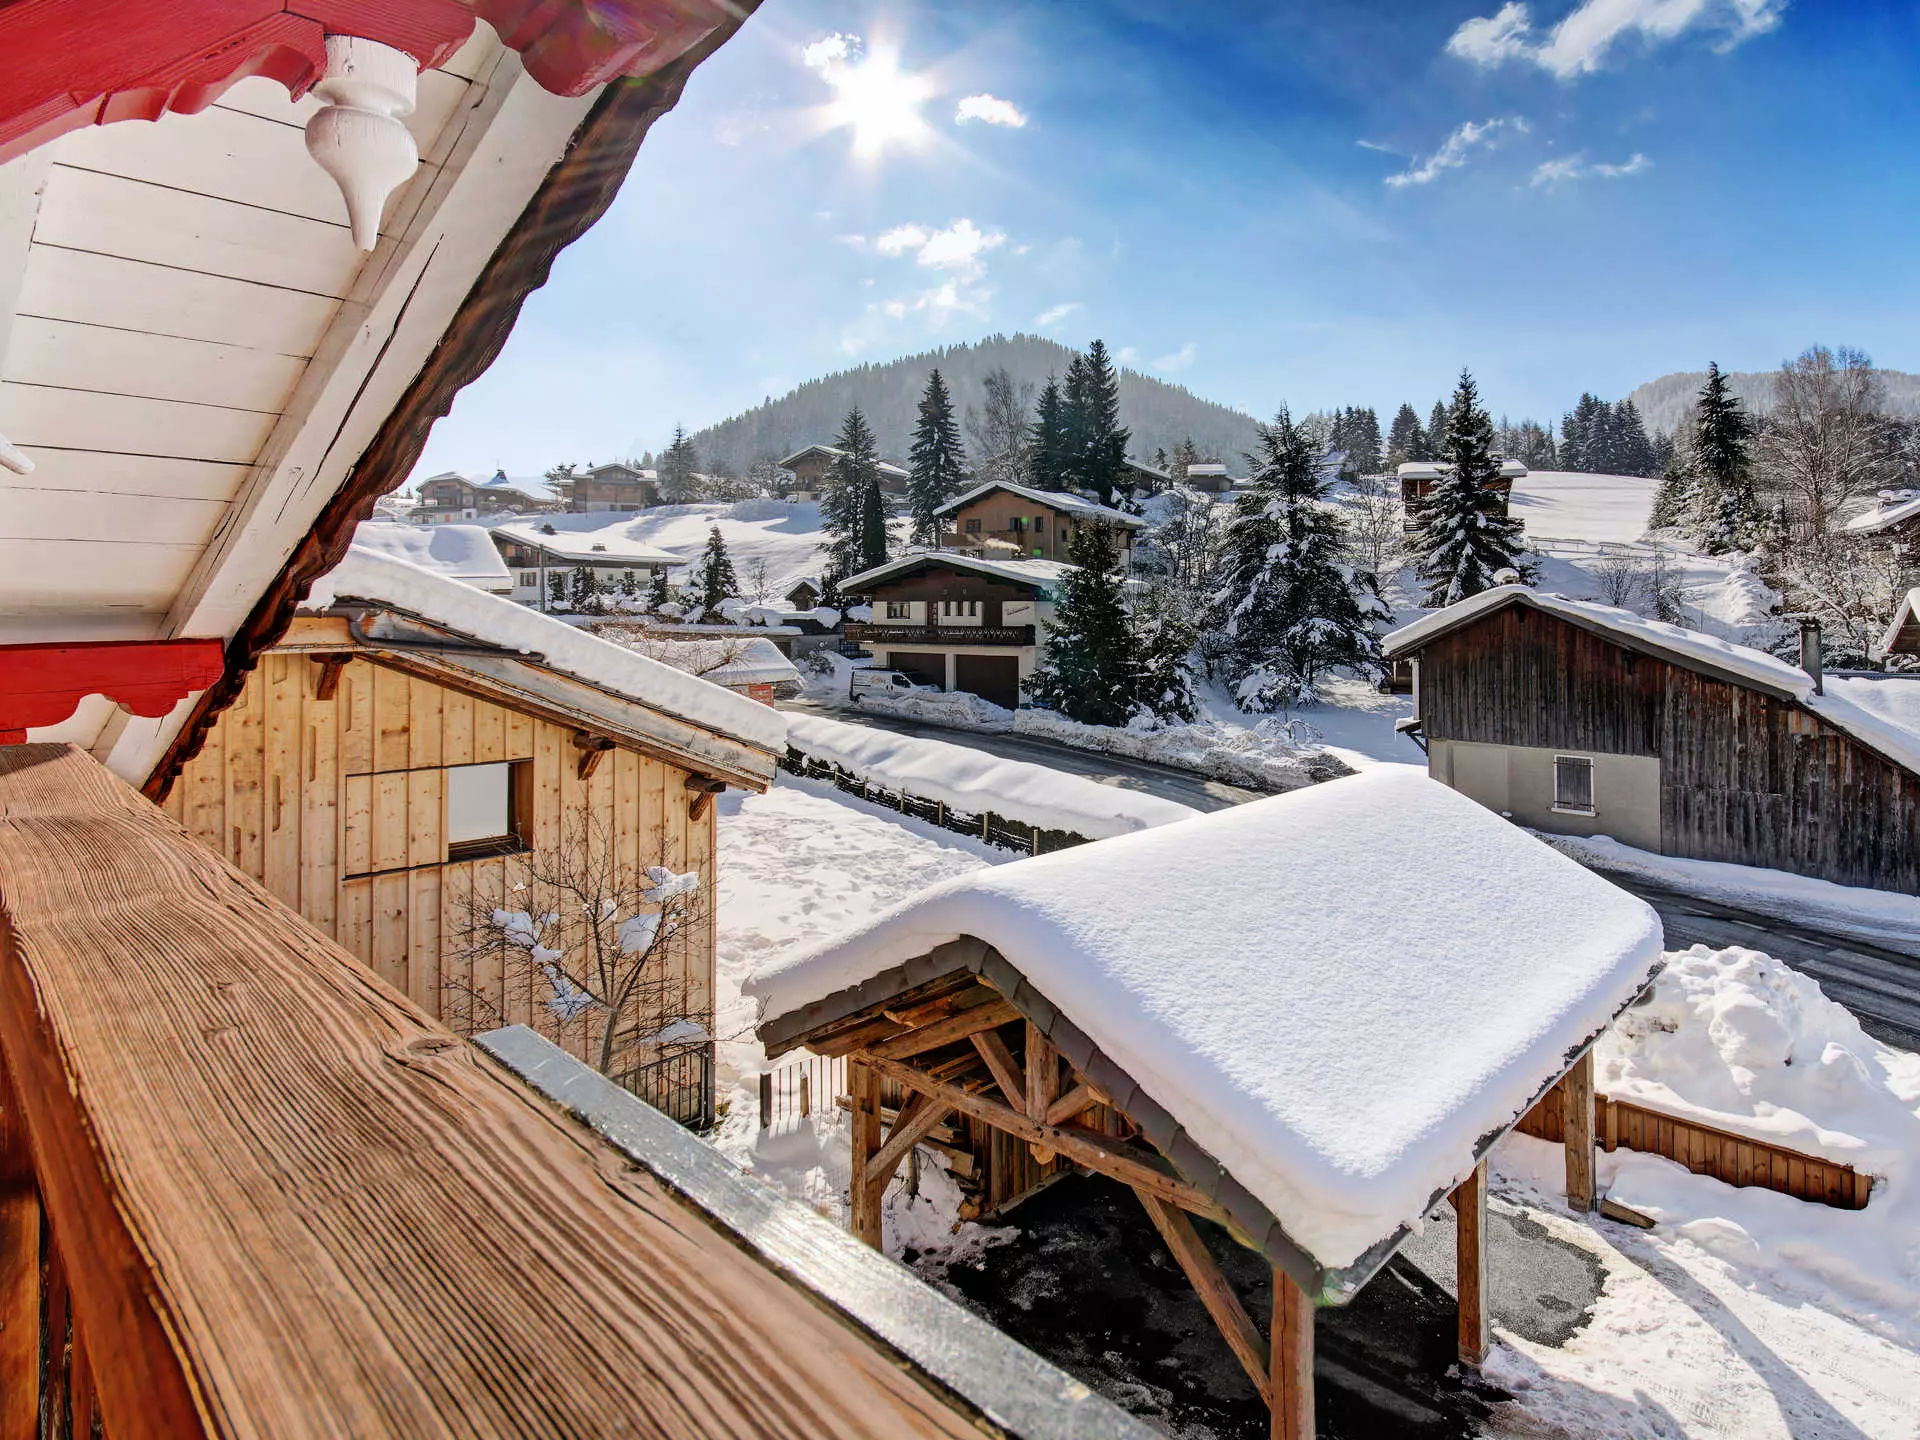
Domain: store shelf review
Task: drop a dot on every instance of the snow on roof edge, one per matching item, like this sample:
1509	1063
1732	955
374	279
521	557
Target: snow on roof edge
1004	569
1058	499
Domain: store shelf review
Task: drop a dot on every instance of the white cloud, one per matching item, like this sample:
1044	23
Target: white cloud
958	248
830	52
1576	167
1376	145
853	242
1046	319
1126	354
1455	149
1579	41
1179	359
901	239
989	110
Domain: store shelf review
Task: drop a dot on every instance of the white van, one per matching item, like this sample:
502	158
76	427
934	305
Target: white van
887	682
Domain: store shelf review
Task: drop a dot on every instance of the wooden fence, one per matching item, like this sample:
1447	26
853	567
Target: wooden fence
993	829
1707	1150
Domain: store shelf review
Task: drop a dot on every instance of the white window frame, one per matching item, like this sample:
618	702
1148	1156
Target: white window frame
1593	789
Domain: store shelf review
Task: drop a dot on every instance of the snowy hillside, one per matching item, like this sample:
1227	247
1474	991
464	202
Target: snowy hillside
1571	505
1664	402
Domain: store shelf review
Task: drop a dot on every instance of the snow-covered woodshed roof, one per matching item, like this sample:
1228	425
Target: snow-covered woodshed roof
1042	574
460	552
588	538
1334	1051
833	452
1061	500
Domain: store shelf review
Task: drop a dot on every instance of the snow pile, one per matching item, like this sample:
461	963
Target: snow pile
974	783
1736	1039
384	580
1267	756
1338	992
754	660
1877	915
461	552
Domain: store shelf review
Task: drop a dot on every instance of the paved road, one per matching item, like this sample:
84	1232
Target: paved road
1879	984
1115	770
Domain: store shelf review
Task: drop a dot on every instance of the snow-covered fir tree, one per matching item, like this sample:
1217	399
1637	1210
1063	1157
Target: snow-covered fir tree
629	587
1406	439
1088	671
556	587
1095	443
1047	458
937	462
1466	536
874	513
1356	436
678	471
1673	502
657	591
851	492
717	578
1291	607
1729	511
584	592
1162	641
1437	432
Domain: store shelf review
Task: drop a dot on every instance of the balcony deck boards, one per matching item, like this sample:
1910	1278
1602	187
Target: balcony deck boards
292	1205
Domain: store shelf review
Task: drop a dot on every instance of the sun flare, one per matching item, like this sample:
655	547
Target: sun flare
879	103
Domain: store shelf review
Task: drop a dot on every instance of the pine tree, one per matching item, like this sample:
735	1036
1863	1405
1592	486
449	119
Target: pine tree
1359	443
717	580
556	587
1106	441
1290	608
678	471
1673	501
585	591
657	591
1466	536
1635	452
1437	432
844	498
1722	458
830	596
1047	450
937	462
1406	440
1162	663
1185	454
1088	672
629	587
874	511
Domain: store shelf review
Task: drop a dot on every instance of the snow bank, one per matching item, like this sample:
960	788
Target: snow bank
1337	992
384	580
1879	915
973	782
1738	1040
753	660
1263	757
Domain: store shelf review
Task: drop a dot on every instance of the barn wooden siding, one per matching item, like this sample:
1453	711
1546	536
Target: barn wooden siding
1706	1150
1744	777
338	806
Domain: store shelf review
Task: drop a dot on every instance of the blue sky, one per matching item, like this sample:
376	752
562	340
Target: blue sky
1267	202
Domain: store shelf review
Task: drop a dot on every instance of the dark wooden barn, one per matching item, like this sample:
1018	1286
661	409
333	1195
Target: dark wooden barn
1578	718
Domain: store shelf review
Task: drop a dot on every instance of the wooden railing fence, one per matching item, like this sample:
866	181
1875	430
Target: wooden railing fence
1707	1150
1001	830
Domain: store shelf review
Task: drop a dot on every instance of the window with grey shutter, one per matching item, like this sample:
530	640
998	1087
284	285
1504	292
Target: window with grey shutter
1573	784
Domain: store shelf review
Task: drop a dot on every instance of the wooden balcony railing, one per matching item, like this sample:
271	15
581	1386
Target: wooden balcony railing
247	1189
884	633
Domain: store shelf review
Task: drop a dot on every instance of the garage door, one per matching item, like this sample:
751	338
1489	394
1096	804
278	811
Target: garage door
931	669
991	677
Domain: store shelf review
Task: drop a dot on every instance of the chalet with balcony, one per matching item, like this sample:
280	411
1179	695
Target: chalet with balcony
451	496
809	467
1582	719
1418	477
618	486
958	621
1004	521
536	551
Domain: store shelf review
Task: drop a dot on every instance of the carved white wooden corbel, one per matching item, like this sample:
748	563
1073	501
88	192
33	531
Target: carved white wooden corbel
358	138
12	459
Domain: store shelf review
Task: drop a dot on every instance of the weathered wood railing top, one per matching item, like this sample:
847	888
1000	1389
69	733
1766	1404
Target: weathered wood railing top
291	1205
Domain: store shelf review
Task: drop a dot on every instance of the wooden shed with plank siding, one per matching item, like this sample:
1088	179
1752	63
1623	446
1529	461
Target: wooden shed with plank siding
339	776
1582	719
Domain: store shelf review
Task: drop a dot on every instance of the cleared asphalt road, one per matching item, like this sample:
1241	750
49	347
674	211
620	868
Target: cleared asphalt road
1878	984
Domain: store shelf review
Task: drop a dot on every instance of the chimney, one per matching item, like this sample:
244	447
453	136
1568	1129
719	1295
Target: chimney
1810	651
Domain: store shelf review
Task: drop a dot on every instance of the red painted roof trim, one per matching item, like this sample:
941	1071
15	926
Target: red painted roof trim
44	684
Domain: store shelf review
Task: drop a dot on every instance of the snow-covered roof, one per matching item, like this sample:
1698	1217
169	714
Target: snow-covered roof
1905	614
1434	469
1146	468
1344	1044
1043	573
1206	467
1893	507
1061	500
586	537
753	661
462	552
1741	664
387	580
532	487
833	452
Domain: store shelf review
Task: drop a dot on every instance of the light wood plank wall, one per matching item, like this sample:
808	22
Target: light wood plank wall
339	808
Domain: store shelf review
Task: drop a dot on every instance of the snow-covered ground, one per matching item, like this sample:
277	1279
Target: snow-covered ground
1742	1314
1574	505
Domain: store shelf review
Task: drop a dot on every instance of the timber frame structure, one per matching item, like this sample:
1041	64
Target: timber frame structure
962	1036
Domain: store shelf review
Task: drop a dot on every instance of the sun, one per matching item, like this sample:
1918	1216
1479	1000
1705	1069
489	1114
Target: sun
879	103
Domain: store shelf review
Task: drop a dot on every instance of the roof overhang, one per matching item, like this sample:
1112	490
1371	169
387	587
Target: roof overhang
906	564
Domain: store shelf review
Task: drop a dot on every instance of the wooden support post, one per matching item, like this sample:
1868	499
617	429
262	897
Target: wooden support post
20	1226
1043	1082
1576	1098
919	1118
328	685
1186	1247
704	789
766	1098
806	1093
1004	1068
1290	1390
864	1090
1470	1265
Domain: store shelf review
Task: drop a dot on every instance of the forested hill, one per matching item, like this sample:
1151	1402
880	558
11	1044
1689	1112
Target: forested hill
1664	402
1158	414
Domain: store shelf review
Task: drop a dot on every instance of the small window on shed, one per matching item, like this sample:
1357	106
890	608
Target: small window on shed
1573	784
489	809
973	526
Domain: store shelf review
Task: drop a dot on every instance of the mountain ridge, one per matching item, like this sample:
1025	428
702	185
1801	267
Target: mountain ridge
1664	402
